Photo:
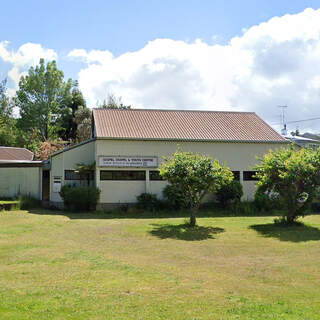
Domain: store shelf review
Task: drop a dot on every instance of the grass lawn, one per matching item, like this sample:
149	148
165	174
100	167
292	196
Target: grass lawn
82	266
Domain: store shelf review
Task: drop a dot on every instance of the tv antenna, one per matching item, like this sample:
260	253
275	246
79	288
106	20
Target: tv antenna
282	118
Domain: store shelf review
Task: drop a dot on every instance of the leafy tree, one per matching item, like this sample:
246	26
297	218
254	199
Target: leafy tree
46	148
231	192
294	176
8	130
68	126
114	103
86	171
83	119
41	96
196	175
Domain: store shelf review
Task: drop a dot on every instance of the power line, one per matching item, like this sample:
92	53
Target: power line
296	121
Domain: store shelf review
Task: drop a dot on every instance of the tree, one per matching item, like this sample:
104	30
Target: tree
8	130
294	176
83	119
41	96
114	103
196	175
68	126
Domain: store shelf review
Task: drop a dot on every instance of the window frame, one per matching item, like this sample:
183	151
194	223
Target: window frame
155	172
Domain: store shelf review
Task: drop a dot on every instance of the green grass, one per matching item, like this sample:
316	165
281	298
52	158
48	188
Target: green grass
82	266
8	202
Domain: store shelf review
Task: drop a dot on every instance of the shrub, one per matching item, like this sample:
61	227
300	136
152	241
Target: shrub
265	202
175	197
244	208
80	198
148	201
28	202
228	193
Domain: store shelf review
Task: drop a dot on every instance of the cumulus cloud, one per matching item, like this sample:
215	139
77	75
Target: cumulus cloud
274	63
27	55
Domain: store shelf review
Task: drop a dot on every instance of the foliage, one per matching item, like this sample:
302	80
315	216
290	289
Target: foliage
266	202
196	175
80	198
148	201
47	148
86	171
244	208
41	98
175	197
68	126
228	193
294	176
114	103
83	119
28	202
8	130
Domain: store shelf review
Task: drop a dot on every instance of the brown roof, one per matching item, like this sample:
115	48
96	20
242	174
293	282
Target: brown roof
183	125
11	153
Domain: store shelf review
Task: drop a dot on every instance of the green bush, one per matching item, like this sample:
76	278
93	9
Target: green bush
80	198
244	208
148	201
175	197
28	202
265	202
229	193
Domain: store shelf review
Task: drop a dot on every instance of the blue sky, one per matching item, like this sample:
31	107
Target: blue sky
131	32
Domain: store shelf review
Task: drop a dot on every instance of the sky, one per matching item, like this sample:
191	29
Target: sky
208	55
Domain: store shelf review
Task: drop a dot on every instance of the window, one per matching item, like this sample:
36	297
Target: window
249	176
155	176
236	175
72	175
123	175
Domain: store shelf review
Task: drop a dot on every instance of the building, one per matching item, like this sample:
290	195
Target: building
19	173
303	142
128	147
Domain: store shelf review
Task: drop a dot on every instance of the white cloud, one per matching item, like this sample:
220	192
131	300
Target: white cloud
27	55
274	63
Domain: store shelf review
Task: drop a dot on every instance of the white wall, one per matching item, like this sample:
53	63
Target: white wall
20	181
68	160
237	156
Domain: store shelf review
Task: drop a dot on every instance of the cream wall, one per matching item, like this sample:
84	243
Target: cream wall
237	156
20	181
68	160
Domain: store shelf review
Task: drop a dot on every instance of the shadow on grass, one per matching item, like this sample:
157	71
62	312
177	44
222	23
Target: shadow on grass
184	232
294	233
141	214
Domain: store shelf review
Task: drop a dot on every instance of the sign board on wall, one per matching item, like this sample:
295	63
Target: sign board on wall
56	184
131	161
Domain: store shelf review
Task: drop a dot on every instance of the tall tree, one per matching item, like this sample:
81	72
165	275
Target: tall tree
83	119
68	126
40	98
8	131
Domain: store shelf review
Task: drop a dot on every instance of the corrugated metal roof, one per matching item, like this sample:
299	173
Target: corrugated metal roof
183	125
12	153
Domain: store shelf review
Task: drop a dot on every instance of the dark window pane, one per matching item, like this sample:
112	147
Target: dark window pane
249	176
71	175
122	175
105	175
236	175
155	176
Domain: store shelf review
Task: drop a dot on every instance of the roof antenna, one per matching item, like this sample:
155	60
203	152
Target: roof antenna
282	119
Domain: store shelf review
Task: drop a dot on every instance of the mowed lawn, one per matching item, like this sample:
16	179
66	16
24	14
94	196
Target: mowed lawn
82	266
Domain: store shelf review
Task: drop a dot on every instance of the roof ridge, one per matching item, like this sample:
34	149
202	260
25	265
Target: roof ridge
178	110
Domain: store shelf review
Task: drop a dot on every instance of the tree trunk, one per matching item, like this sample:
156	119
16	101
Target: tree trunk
193	214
